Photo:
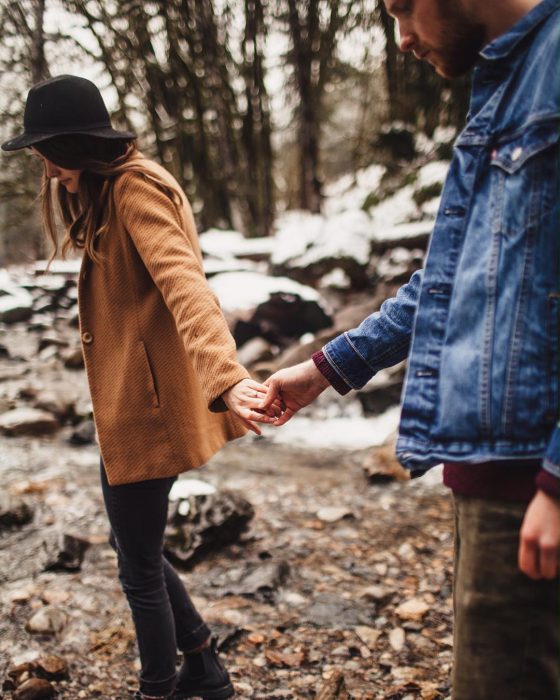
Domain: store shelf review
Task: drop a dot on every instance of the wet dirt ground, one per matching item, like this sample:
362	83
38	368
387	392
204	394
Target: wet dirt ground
336	580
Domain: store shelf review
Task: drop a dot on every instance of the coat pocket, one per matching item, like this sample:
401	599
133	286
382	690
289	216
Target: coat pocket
146	368
524	177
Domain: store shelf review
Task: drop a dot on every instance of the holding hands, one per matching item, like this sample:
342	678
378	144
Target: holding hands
245	400
281	396
295	387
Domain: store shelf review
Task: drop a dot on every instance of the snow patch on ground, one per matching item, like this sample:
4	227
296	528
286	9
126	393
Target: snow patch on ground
353	433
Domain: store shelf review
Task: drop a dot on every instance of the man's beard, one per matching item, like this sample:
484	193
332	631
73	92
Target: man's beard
461	41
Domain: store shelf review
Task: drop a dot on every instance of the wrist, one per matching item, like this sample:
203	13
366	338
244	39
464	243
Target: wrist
318	378
548	484
330	376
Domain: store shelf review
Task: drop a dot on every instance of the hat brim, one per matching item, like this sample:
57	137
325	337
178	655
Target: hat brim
26	139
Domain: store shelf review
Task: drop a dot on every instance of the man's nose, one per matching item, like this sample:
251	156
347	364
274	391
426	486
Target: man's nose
407	39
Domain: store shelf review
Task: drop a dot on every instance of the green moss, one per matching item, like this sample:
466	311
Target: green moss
424	194
372	200
409	179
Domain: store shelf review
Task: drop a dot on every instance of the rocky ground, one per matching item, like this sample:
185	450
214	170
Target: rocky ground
337	589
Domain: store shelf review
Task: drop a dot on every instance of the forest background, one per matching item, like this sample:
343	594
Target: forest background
253	105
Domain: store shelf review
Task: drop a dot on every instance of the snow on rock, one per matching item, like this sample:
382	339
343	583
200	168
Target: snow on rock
431	208
406	235
336	279
58	267
398	264
345	235
184	488
444	134
296	231
350	192
232	244
397	209
246	290
215	266
310	239
431	174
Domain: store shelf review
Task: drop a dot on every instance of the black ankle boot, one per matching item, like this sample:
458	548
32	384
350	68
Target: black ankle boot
203	675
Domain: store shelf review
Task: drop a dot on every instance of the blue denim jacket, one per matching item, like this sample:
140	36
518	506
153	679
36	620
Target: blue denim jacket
480	322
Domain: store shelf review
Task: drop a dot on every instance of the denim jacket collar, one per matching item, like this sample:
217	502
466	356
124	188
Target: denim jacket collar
505	44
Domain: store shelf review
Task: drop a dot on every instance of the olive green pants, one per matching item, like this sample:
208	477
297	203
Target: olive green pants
507	626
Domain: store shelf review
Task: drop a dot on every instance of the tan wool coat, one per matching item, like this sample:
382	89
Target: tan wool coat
157	349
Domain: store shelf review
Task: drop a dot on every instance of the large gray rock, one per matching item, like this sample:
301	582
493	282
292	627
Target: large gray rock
83	434
199	524
73	358
281	319
254	350
16	303
14	309
64	552
263	581
27	421
35	689
330	610
58	401
13	511
49	339
47	620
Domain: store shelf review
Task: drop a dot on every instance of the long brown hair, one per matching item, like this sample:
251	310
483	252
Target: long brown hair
89	212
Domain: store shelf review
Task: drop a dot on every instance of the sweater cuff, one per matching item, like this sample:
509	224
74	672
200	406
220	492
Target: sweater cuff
548	483
329	373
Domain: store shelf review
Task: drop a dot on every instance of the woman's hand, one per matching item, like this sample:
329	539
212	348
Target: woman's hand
245	399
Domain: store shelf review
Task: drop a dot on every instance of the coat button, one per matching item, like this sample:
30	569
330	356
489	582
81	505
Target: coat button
87	338
516	155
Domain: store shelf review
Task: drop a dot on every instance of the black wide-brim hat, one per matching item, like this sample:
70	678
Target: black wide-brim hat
65	105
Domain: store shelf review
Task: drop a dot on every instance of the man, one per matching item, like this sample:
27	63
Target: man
480	327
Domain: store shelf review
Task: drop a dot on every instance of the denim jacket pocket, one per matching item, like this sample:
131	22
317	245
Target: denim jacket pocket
523	177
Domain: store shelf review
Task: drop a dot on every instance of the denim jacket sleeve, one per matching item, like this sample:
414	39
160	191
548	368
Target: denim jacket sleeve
381	340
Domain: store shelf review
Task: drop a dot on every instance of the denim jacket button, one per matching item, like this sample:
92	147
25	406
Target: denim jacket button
516	153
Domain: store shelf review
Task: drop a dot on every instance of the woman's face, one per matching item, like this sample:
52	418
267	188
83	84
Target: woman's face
69	178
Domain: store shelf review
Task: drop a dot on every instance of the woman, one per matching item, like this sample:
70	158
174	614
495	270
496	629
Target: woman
160	361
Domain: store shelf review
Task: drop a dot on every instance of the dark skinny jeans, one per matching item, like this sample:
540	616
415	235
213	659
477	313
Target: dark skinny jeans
163	613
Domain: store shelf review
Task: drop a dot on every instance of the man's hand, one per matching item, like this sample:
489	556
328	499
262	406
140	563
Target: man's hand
296	387
539	538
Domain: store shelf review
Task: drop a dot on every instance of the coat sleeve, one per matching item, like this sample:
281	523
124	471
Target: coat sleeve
155	226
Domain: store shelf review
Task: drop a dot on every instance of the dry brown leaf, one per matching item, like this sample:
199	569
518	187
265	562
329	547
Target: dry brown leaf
277	658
